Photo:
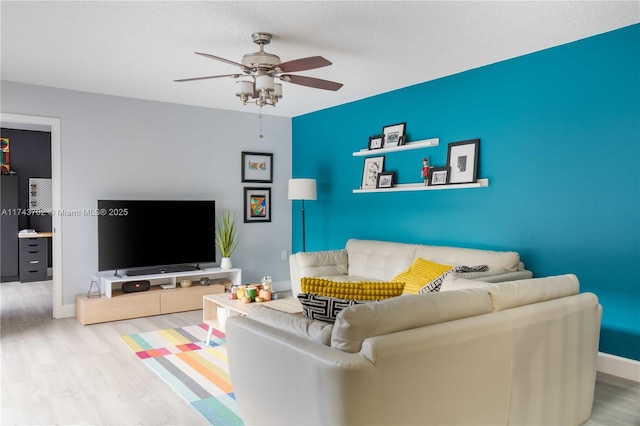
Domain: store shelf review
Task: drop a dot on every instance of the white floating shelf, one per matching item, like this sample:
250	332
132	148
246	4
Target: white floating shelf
481	183
408	146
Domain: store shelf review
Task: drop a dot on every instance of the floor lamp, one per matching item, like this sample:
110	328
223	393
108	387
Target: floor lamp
302	189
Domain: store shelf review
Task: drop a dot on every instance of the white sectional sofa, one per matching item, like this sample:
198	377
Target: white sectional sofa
514	353
372	260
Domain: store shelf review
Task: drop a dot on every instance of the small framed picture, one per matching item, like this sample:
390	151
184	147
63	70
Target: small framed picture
462	159
257	167
375	142
439	176
393	134
372	166
386	179
257	205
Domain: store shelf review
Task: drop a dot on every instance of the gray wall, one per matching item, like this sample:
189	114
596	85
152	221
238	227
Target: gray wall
114	147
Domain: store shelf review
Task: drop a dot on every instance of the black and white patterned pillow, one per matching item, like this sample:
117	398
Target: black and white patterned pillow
325	308
436	284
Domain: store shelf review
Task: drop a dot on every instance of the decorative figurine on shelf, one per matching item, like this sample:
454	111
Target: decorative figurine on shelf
94	287
425	171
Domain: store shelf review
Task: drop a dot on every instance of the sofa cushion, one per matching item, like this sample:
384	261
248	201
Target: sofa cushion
321	263
525	292
452	283
378	260
361	290
356	323
507	260
423	276
314	331
324	308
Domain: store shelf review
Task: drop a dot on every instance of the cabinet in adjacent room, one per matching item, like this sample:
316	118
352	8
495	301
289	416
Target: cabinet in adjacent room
8	228
33	258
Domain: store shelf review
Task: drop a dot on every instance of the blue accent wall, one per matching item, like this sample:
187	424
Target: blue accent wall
560	145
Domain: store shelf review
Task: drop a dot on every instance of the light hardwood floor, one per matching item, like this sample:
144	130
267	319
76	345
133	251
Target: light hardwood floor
60	372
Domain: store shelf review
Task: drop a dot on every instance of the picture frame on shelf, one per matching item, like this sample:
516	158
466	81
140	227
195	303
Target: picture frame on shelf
376	142
439	176
257	205
372	166
257	167
462	159
386	179
393	134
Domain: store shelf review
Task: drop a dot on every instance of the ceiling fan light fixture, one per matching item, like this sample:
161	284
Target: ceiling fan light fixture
264	82
262	68
277	90
243	87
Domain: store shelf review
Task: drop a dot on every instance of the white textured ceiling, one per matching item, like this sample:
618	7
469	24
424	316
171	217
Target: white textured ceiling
137	49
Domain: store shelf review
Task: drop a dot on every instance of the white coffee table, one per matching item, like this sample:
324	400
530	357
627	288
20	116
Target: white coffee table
212	304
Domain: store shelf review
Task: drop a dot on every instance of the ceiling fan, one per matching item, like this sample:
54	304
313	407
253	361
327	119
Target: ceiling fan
260	69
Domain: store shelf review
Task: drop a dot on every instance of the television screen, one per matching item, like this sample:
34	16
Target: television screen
149	234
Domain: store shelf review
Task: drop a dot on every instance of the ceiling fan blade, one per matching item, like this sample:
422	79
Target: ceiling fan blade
303	64
217	58
205	78
311	82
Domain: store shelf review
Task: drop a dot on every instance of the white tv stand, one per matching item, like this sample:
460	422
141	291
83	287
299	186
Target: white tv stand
115	305
109	283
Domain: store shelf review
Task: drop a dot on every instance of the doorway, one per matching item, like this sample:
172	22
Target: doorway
51	125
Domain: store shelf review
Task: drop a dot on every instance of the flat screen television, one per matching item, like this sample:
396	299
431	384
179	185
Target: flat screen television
160	236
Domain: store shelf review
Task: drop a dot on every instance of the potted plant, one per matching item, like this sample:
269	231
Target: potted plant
226	237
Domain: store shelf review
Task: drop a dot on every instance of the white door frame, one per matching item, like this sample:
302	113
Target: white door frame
53	125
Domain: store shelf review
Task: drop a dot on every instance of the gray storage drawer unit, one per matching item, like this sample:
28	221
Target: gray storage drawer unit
33	259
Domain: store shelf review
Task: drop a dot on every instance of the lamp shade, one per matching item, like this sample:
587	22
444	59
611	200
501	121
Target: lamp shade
302	189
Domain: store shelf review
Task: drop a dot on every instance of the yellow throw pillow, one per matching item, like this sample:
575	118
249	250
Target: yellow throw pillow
361	290
423	275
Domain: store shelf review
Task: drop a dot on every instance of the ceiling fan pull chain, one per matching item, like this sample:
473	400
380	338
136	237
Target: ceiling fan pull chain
260	116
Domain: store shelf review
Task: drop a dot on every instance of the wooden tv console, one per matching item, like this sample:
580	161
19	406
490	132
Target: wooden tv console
115	305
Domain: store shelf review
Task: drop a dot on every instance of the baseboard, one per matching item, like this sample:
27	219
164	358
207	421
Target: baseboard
68	311
618	366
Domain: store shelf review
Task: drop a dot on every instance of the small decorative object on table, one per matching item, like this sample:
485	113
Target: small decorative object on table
205	281
94	287
252	292
265	291
240	292
185	283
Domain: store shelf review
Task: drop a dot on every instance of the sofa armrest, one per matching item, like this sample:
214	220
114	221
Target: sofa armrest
312	383
316	264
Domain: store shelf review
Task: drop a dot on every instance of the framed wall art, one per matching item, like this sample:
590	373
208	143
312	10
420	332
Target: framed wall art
439	176
462	159
394	134
372	166
257	167
257	205
386	179
375	142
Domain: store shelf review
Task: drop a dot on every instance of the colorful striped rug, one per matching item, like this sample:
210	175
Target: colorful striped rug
199	374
